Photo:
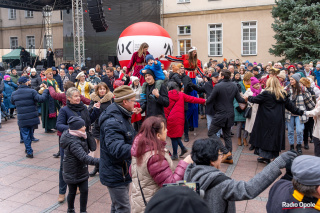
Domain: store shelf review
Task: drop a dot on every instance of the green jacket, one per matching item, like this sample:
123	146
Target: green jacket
14	78
238	117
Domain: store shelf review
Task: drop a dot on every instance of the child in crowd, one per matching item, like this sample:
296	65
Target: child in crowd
75	162
155	67
174	75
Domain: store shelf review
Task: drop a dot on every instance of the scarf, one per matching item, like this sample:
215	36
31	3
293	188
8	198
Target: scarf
302	198
52	105
83	111
255	91
247	86
78	133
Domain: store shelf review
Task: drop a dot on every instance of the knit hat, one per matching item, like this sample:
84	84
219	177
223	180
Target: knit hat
220	65
83	68
254	63
254	81
5	77
296	77
23	80
300	63
33	70
150	73
54	68
250	65
305	169
123	93
291	66
134	78
149	57
176	199
80	75
75	123
318	66
282	75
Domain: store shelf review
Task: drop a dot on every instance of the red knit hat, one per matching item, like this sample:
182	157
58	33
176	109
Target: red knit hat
291	66
70	68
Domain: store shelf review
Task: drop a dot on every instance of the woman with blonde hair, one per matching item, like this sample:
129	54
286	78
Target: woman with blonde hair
138	58
268	132
83	86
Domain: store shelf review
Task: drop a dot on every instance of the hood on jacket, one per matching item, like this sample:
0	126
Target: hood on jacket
114	110
173	95
66	139
205	175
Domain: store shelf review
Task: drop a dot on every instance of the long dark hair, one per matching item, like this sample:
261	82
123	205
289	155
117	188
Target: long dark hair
296	88
147	137
193	60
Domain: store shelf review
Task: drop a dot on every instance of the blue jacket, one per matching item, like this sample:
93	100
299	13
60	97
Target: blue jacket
9	88
116	138
59	81
317	73
26	100
156	69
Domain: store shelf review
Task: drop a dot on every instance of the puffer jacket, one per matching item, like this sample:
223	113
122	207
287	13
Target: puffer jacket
152	174
175	112
9	88
76	158
35	82
14	78
57	77
116	138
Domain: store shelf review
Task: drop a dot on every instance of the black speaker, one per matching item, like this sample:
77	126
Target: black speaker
96	15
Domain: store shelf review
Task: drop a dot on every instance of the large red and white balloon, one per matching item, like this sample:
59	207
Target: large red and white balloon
158	39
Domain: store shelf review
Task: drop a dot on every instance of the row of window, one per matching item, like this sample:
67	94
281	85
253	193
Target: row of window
30	43
12	13
215	39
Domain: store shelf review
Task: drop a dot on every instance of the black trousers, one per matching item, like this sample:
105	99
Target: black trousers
316	142
226	136
83	187
308	130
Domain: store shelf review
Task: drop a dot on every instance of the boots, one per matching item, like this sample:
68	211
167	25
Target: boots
306	146
183	151
229	160
291	147
225	156
239	142
56	155
245	143
94	171
70	211
61	198
299	150
174	157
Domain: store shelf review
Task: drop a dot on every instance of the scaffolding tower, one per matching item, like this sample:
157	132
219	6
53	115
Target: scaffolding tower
78	32
47	14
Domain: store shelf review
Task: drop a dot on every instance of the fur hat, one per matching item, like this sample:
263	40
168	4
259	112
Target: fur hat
306	82
123	93
282	75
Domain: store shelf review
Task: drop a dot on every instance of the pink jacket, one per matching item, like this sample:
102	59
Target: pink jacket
161	173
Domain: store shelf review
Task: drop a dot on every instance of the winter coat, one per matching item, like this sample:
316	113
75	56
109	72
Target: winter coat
207	89
280	192
63	98
303	101
35	82
268	131
25	99
76	158
222	97
116	138
152	174
64	80
105	102
136	90
250	121
50	58
175	77
72	77
155	106
14	78
109	82
9	88
221	198
175	112
94	80
239	116
1	88
315	113
188	87
156	69
58	79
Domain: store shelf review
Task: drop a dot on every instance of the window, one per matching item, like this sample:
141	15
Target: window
183	1
12	14
184	30
184	46
249	38
13	42
215	39
28	14
30	44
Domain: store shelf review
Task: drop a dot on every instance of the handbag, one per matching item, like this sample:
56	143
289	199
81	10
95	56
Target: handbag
248	112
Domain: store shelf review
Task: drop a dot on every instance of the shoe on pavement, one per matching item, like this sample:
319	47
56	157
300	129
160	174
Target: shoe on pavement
183	151
191	129
70	211
56	155
174	157
21	141
61	198
239	142
29	155
245	143
34	139
251	147
263	160
225	156
299	150
306	146
291	147
186	138
94	171
229	160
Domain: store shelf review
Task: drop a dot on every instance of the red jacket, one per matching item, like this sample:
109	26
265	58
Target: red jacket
175	112
160	171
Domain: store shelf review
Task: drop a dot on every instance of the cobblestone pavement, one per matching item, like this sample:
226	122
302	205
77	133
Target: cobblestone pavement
31	185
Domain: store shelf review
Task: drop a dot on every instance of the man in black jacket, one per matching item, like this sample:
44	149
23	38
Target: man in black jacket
71	75
156	100
110	78
222	96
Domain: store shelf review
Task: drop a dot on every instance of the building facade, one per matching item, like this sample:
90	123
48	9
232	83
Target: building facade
221	29
20	28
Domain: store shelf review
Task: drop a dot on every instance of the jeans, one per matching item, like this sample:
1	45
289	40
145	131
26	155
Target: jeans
299	130
120	199
209	120
186	124
26	133
32	136
175	142
83	187
62	184
226	136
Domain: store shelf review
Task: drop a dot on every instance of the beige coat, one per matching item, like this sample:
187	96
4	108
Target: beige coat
315	113
250	121
148	185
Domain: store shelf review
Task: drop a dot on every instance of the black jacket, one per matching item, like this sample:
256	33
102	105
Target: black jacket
25	99
76	158
72	77
35	82
108	82
207	88
1	88
155	106
176	78
258	76
116	138
222	97
188	87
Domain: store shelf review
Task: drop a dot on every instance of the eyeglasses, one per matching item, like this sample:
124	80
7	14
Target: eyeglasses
134	101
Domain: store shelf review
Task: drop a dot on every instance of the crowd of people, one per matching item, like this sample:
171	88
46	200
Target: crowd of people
118	118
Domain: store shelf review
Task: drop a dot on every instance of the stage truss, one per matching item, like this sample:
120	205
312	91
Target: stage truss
78	32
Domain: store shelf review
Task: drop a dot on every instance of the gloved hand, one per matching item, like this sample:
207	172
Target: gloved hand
239	109
285	158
